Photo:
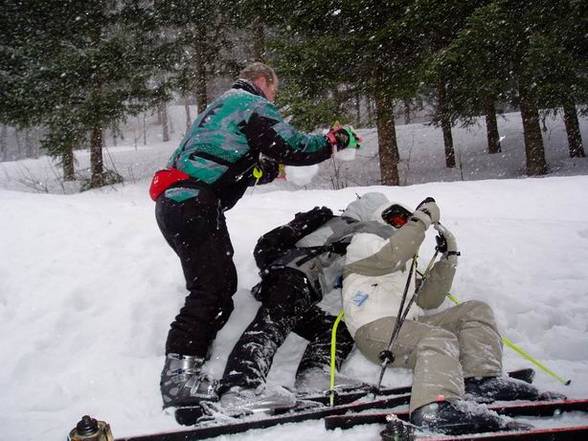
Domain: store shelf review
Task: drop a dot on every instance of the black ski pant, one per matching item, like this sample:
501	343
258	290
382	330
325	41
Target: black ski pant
197	232
288	305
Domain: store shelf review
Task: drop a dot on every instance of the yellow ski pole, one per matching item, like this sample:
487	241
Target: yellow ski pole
334	358
509	343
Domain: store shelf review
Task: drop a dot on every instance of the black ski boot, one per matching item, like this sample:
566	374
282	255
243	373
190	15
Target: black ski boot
506	389
459	416
183	383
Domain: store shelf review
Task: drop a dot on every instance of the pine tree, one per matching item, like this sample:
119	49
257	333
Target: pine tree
78	67
335	51
438	23
520	53
256	18
198	35
558	54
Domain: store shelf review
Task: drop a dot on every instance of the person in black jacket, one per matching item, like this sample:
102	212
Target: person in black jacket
237	141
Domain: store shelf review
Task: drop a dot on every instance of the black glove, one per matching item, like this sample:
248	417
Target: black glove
308	221
339	247
446	243
269	169
441	243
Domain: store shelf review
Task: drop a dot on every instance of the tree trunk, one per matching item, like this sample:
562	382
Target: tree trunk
67	160
387	145
18	144
114	137
369	105
4	143
201	83
164	122
170	122
96	160
445	126
259	40
144	131
358	110
492	126
573	130
188	116
406	103
29	148
534	150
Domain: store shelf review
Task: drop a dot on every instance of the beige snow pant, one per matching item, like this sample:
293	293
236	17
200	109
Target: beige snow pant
441	349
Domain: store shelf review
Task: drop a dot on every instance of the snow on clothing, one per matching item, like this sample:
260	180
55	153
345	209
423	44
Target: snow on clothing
299	262
225	142
197	232
219	153
442	348
289	293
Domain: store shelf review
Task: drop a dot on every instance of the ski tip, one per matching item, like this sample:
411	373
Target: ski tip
568	382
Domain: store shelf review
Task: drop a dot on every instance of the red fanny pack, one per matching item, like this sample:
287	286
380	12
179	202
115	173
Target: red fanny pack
163	179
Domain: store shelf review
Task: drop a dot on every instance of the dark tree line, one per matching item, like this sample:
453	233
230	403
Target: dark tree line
75	68
468	56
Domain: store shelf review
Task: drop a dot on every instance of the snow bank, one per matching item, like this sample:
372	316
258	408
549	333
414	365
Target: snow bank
88	288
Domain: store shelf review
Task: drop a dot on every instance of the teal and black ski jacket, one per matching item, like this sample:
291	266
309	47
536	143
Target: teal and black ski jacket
227	139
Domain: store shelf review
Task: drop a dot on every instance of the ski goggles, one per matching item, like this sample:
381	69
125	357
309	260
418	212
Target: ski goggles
396	215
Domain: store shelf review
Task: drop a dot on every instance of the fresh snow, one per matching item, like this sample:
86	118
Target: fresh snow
88	285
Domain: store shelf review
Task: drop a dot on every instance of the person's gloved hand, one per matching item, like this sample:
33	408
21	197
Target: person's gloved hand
315	212
446	242
269	169
427	212
343	137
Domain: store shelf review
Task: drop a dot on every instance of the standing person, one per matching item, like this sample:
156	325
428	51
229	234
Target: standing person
236	142
442	348
299	262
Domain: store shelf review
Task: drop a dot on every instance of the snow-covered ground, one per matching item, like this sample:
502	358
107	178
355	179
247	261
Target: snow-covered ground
88	286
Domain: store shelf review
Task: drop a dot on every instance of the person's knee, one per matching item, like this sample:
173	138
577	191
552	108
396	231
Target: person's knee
287	289
479	310
440	341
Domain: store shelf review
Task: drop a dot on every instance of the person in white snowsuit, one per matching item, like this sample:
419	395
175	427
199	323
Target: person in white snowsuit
442	348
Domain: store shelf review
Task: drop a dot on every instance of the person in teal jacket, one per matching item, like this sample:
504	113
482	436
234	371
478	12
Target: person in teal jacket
237	141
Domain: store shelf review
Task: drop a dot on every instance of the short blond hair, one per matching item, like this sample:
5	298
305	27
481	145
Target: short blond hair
255	70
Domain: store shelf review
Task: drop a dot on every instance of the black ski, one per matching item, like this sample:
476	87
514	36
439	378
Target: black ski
525	408
526	375
574	433
190	415
543	408
203	431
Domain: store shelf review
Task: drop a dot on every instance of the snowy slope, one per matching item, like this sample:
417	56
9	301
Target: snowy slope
88	288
